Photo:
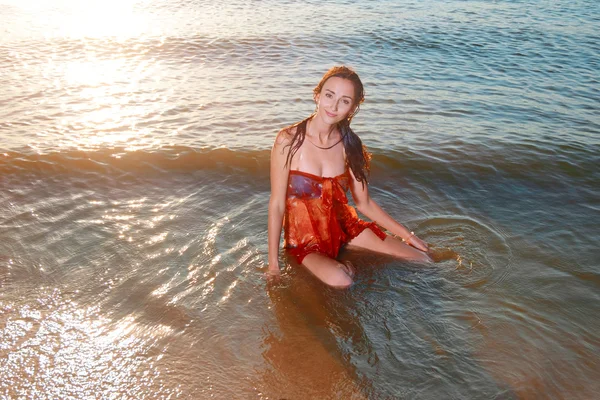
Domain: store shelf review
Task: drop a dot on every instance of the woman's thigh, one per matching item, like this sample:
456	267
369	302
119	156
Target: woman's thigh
328	270
391	246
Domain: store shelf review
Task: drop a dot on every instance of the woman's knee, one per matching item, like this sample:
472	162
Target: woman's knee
343	282
338	280
329	271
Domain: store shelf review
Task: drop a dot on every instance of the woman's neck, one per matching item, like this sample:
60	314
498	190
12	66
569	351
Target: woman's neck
320	131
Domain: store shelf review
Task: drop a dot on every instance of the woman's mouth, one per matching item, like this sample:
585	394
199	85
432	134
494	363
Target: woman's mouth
330	114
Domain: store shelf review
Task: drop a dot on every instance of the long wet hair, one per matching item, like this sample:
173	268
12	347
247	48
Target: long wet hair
357	157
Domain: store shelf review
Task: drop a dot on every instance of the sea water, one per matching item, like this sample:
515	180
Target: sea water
134	182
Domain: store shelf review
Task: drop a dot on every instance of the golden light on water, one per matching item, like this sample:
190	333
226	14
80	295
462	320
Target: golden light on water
95	18
108	110
97	81
94	73
81	353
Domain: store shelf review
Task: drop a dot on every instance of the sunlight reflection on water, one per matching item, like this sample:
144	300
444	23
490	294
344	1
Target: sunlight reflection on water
69	350
95	18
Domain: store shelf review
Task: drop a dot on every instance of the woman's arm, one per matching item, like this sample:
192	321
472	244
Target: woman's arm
367	206
279	179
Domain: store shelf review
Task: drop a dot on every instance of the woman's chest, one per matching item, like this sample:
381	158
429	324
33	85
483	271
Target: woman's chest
309	158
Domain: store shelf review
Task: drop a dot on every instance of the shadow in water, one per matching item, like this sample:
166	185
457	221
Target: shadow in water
393	335
308	354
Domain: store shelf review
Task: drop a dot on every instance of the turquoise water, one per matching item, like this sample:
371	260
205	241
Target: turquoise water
135	141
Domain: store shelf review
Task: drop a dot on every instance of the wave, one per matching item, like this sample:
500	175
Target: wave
197	48
120	160
481	162
388	41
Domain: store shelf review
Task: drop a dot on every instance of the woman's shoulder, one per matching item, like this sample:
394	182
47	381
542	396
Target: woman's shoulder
283	138
285	135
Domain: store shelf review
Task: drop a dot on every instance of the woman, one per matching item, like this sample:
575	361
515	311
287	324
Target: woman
313	164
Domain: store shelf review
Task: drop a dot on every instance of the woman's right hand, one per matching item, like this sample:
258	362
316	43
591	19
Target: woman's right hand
273	273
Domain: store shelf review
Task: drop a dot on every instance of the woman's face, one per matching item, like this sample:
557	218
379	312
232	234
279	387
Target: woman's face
336	100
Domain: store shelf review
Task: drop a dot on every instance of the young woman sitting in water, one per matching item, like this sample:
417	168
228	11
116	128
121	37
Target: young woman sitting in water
313	164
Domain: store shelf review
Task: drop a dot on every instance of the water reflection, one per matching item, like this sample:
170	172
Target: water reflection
57	347
94	18
309	354
108	107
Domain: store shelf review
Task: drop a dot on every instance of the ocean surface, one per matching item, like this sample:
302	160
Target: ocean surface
134	182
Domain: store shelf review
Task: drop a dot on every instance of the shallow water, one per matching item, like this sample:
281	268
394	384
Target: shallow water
134	181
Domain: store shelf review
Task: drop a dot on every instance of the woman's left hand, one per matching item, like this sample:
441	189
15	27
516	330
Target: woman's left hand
415	242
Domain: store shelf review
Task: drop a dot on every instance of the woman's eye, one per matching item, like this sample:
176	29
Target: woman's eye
346	102
328	95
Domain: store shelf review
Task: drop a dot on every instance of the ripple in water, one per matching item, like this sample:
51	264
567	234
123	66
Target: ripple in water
478	249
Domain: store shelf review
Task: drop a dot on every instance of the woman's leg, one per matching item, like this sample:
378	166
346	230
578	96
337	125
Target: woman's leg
391	246
328	270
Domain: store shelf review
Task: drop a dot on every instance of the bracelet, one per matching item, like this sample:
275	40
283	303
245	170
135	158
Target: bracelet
408	238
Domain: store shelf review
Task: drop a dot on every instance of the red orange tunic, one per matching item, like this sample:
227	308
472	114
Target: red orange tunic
318	218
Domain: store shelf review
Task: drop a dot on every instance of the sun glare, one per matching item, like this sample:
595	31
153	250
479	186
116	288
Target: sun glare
104	81
93	18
